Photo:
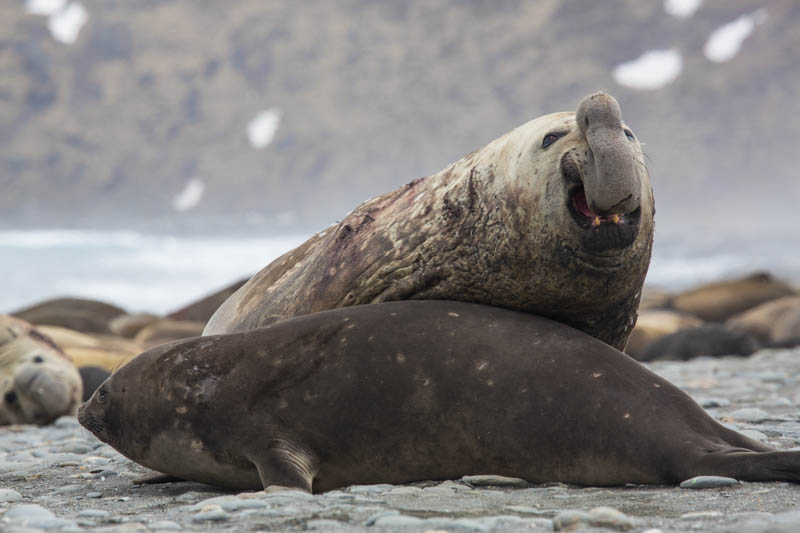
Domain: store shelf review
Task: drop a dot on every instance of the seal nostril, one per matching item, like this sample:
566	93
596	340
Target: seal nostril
10	397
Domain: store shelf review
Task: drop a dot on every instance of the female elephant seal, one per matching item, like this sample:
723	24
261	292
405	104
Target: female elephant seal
38	382
414	390
554	218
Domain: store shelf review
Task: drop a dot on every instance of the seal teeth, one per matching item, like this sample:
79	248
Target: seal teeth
596	221
616	219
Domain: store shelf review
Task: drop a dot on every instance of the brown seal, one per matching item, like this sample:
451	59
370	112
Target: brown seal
554	218
775	323
653	324
38	382
413	390
719	301
79	314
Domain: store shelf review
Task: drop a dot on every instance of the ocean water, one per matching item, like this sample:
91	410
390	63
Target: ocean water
155	273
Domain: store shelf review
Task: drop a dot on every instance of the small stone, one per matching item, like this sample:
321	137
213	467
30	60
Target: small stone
701	514
27	511
610	518
78	448
569	520
229	504
9	496
708	482
94	494
524	509
69	489
190	496
397	521
93	513
749	414
327	525
448	486
211	513
405	490
370	489
495	481
165	524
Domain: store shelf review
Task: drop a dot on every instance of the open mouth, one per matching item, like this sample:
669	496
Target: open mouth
579	209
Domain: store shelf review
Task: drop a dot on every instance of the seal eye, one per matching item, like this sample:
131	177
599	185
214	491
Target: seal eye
38	359
10	397
629	135
550	138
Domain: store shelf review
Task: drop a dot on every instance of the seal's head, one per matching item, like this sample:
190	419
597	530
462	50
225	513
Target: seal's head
38	383
164	400
601	192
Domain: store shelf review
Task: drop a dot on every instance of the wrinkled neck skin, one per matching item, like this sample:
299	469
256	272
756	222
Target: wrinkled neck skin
492	228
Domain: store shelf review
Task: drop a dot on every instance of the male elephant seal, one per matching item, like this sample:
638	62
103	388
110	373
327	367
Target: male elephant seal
414	390
554	218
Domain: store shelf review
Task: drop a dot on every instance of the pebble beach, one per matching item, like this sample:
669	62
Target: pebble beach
60	478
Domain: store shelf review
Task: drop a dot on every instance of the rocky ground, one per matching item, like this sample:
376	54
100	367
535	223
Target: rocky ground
60	477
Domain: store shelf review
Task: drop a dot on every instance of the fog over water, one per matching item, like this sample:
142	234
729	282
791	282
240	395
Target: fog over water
157	273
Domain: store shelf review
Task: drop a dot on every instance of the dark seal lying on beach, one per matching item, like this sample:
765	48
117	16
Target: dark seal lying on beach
554	218
415	390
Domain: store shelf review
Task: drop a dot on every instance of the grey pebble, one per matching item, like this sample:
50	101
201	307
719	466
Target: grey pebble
211	513
20	468
405	490
69	489
164	524
610	518
94	494
370	489
495	481
327	525
76	448
230	503
25	511
94	513
788	522
9	496
708	482
190	496
396	521
35	516
604	517
749	414
566	520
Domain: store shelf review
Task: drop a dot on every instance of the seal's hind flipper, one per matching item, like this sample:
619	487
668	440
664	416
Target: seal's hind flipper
286	465
746	465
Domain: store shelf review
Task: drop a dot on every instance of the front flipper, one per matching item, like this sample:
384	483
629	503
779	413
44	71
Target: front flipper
285	464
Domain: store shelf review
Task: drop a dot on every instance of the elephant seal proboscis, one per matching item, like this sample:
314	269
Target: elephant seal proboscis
413	390
38	382
554	218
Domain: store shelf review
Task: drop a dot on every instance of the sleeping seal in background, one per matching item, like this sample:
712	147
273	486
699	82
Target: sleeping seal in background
554	218
414	390
38	382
